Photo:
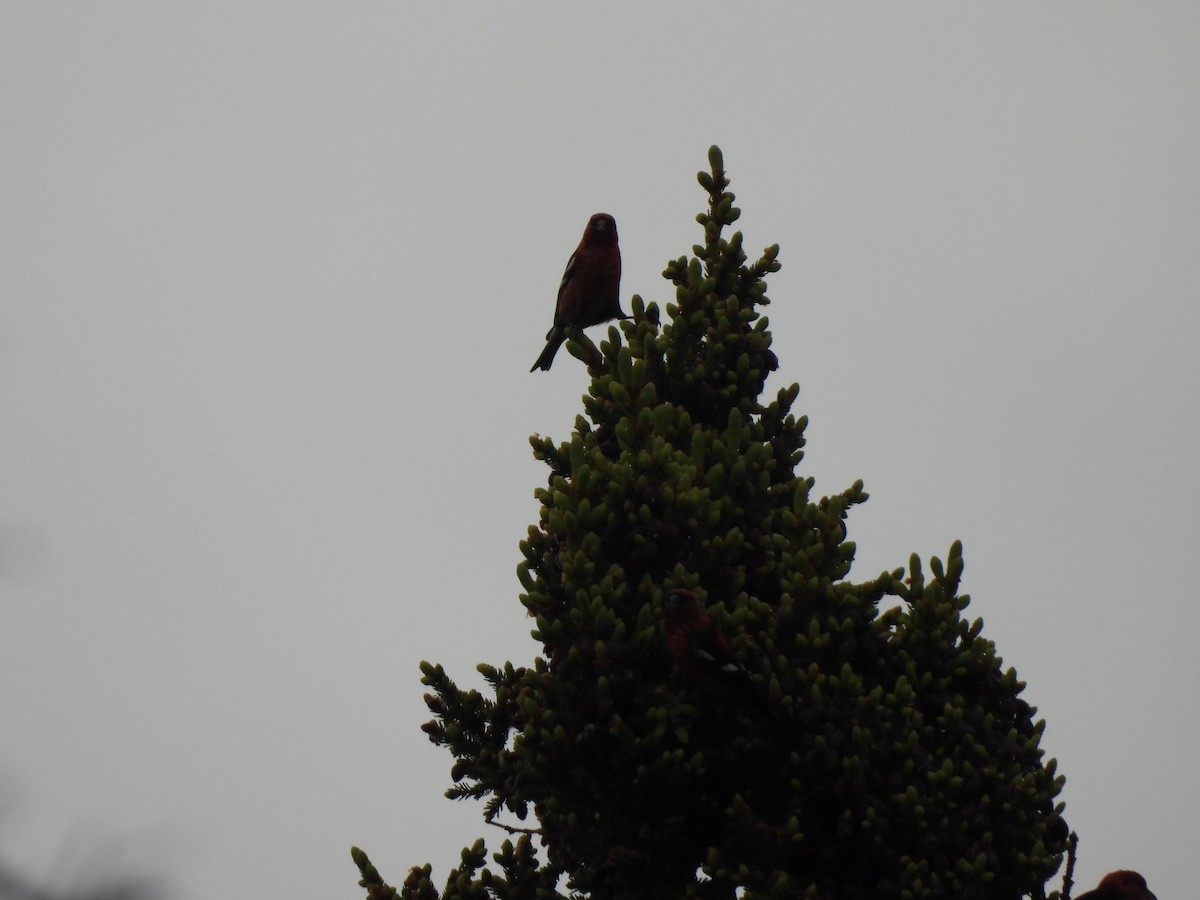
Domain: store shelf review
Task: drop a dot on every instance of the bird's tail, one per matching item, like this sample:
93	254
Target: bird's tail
554	340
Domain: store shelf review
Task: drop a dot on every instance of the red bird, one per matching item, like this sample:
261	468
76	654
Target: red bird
590	289
1122	885
701	651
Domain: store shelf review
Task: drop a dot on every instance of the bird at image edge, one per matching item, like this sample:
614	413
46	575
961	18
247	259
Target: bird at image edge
1122	885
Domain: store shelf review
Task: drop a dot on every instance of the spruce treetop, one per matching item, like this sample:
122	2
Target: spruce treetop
877	749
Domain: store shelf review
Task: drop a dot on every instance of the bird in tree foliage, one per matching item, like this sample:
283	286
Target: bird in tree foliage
703	654
1120	885
589	292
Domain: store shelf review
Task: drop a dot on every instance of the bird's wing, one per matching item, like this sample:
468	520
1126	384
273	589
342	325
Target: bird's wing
569	272
712	648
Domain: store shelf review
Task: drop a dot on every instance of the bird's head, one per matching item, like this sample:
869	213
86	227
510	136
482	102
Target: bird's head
1120	885
1133	884
601	229
681	605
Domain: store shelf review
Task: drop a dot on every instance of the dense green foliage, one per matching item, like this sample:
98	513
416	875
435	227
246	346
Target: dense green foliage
889	754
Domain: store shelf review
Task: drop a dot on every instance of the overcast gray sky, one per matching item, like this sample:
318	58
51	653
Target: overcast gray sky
273	278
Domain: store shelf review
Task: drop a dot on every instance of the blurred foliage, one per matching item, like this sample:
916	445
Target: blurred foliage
98	882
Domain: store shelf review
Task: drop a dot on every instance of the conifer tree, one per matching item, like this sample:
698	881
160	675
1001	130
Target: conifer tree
880	749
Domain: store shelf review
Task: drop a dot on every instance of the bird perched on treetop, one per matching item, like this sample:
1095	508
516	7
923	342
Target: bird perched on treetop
1122	885
589	292
701	651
